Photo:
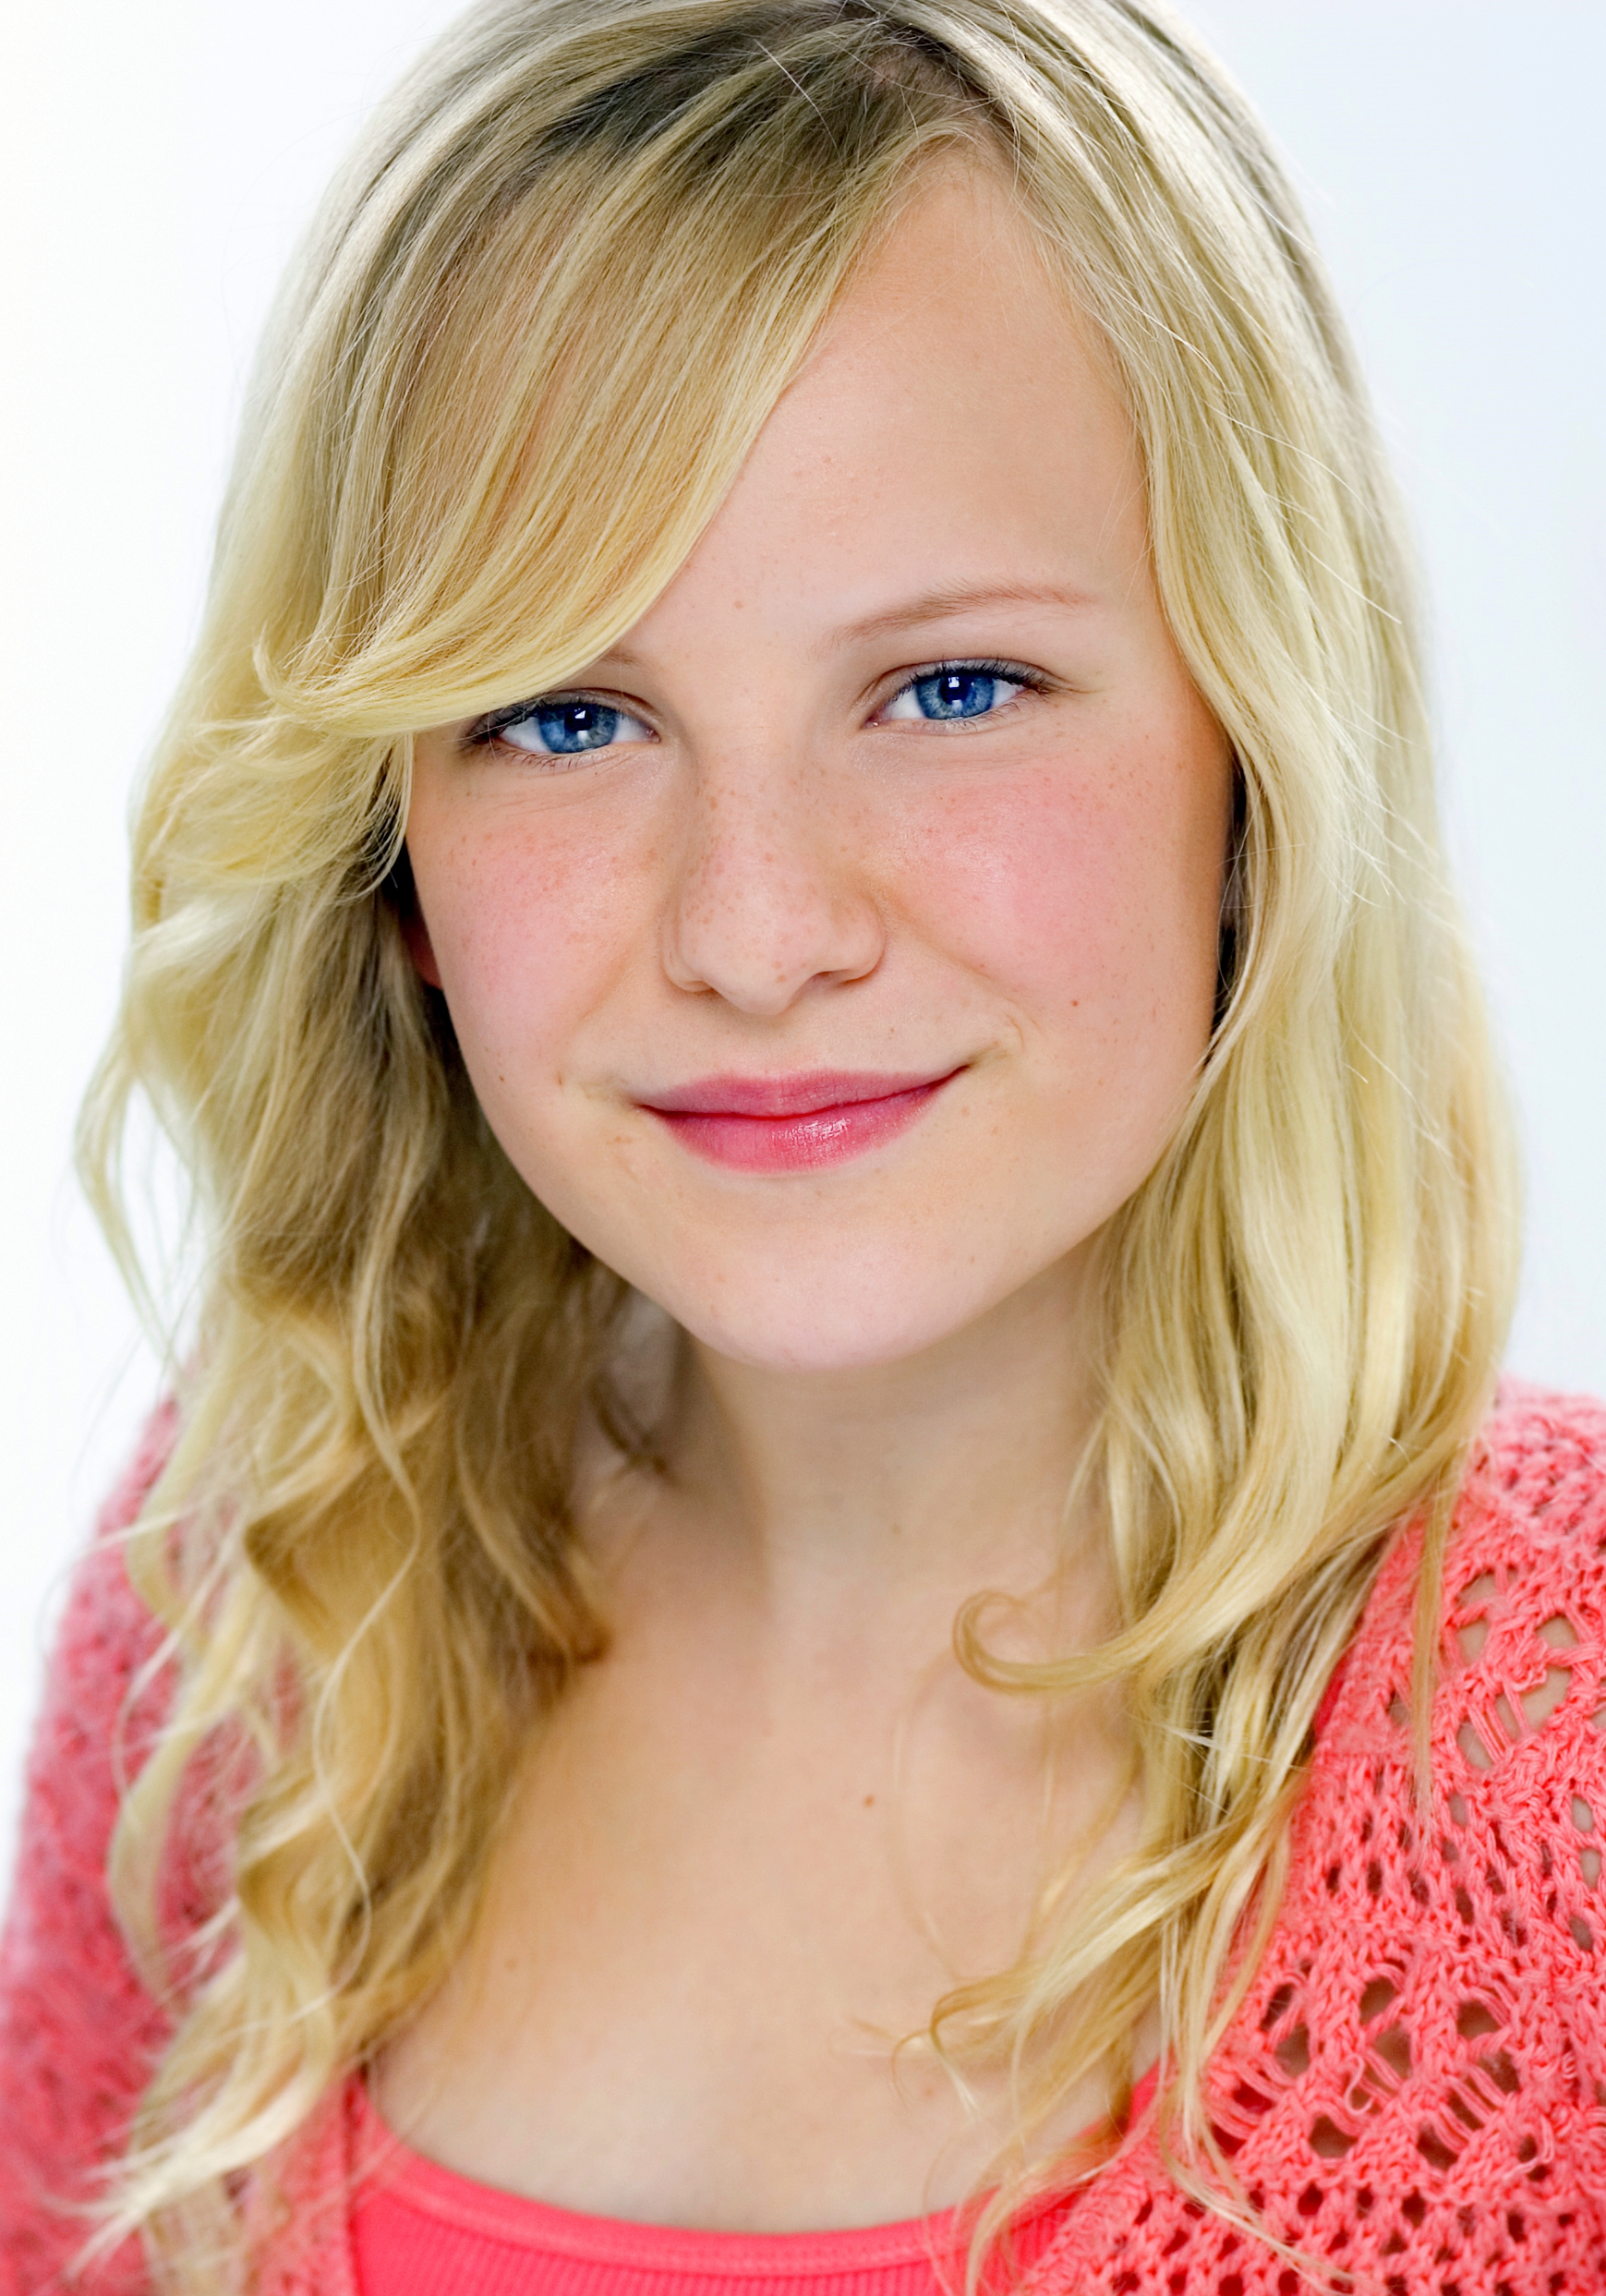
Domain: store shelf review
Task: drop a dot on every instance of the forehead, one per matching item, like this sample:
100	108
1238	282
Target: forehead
956	422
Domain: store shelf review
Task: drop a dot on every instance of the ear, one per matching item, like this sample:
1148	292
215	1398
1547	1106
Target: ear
415	932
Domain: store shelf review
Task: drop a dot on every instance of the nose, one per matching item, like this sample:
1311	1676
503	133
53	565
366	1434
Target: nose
773	894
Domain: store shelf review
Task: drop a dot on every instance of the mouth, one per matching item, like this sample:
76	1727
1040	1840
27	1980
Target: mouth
796	1123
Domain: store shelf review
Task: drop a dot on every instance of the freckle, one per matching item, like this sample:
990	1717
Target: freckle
869	1800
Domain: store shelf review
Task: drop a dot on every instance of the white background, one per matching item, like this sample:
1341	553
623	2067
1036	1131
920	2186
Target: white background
161	159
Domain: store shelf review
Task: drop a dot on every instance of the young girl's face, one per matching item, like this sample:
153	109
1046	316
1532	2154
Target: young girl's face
836	955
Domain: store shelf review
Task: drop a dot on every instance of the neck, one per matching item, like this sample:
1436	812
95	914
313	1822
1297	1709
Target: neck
937	1476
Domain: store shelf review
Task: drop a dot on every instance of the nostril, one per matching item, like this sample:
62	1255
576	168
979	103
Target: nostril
758	922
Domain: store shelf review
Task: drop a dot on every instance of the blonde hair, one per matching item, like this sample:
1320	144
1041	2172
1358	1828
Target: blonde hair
459	483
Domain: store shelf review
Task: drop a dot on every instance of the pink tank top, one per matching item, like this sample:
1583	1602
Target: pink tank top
419	2229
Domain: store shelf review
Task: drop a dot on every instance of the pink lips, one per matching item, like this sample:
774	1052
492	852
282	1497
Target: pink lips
792	1123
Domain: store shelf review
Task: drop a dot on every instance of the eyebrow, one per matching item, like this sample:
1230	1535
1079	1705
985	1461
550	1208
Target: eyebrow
952	598
945	601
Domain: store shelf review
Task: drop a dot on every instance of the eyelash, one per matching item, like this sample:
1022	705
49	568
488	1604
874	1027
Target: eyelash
484	730
975	665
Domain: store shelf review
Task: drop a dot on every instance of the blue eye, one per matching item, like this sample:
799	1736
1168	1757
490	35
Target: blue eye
569	726
956	690
560	727
956	694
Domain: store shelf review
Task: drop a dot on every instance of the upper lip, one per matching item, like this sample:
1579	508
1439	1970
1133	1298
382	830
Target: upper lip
801	1094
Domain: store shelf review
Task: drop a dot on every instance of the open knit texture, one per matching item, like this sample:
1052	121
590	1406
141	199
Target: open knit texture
1413	2089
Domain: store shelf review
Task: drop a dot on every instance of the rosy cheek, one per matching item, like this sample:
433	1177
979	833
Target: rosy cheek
527	923
1087	898
1033	876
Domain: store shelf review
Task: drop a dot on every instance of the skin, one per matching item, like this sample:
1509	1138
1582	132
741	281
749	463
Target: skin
771	1828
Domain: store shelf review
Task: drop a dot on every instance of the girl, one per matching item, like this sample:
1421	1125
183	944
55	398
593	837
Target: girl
832	1592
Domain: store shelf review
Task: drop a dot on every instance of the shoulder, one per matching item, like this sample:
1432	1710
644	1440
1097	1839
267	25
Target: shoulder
106	1637
1519	1710
1534	1498
98	1704
78	2031
1503	1867
1415	2080
1524	1591
1522	1641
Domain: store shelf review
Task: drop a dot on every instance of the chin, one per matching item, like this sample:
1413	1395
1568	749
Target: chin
820	1347
838	1320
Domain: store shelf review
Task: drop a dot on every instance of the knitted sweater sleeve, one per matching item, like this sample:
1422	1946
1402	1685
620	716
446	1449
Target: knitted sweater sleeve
78	2033
1412	2093
1433	2034
1527	1809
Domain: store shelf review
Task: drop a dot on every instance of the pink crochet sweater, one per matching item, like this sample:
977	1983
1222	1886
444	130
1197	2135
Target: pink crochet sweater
1414	2087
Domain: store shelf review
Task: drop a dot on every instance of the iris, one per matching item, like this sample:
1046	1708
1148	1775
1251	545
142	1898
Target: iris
570	726
956	694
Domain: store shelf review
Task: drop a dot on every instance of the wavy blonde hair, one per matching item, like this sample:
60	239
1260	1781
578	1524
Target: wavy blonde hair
461	481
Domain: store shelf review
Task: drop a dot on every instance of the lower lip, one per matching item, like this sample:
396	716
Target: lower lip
799	1143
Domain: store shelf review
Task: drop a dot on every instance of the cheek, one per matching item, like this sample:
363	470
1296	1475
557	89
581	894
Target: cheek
528	922
1084	899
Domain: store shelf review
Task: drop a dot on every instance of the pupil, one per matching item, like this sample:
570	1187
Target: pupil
570	726
955	694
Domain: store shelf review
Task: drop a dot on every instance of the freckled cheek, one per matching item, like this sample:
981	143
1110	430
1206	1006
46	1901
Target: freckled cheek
529	933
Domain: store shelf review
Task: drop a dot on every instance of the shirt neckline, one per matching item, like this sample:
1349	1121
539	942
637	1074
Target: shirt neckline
388	2166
